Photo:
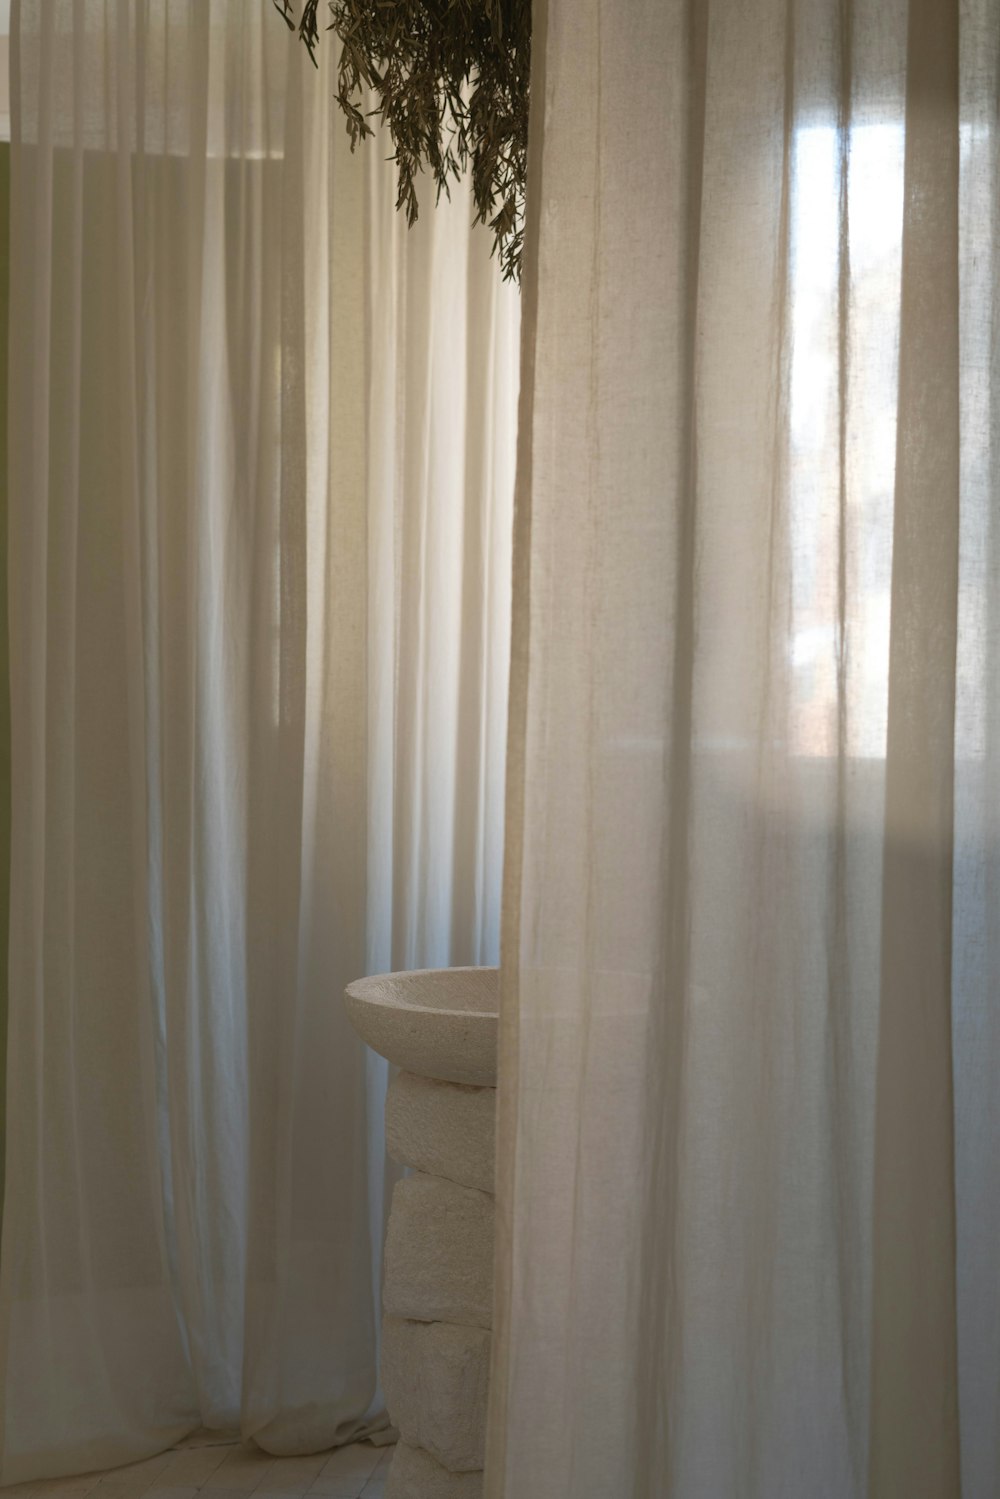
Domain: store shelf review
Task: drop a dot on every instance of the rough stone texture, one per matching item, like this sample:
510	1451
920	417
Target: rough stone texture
439	1253
440	1022
446	1129
414	1474
436	1379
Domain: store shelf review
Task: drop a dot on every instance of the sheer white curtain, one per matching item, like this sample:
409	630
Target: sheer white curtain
750	1121
260	508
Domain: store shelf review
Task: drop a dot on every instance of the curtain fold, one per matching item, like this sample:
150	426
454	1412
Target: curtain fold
749	1030
259	573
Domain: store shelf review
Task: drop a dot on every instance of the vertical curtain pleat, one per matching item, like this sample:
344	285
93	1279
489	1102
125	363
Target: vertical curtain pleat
914	1386
976	868
749	976
249	716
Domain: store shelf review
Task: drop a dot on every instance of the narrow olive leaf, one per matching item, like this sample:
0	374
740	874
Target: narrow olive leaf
450	84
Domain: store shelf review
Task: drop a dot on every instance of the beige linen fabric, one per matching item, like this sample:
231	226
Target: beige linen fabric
748	1197
261	483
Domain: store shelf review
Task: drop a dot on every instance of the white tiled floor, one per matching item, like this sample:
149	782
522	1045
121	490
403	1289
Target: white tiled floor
207	1470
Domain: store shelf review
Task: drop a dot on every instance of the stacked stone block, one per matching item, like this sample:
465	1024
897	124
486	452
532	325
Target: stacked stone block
438	1286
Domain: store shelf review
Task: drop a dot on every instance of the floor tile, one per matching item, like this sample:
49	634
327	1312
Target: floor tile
265	1492
54	1488
191	1468
134	1488
214	1465
238	1479
243	1468
132	1473
348	1486
43	1490
376	1485
360	1459
203	1437
344	1489
294	1475
81	1483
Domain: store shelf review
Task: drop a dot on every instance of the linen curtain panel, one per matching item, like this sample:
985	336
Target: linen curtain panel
749	1115
261	485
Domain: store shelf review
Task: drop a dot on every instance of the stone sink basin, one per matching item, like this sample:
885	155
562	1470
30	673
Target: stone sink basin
436	1022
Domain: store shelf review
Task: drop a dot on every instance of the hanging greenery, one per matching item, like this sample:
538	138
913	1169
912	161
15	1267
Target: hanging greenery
450	78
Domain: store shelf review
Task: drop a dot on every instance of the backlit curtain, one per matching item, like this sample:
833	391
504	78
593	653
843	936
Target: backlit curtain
261	479
750	1114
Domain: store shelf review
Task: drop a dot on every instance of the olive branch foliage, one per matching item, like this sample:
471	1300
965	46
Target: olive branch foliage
450	83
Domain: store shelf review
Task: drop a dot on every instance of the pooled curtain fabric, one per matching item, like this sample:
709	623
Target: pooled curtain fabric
261	485
749	1117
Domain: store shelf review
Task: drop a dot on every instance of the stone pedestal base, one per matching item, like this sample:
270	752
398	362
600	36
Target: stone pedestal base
444	1129
415	1475
438	1286
436	1380
439	1253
